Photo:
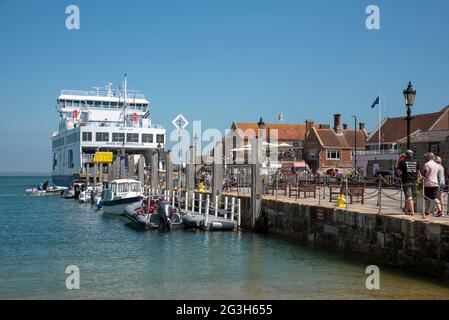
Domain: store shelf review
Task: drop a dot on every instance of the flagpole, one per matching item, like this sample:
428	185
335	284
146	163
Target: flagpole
380	107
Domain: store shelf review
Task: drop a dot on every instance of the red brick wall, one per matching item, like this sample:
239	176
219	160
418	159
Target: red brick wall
344	163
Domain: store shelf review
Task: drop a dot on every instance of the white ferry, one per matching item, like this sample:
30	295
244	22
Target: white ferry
100	120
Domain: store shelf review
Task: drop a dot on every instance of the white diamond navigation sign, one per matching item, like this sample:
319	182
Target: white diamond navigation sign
180	122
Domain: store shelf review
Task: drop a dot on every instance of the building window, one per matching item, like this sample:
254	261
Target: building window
132	137
147	137
434	148
159	138
118	137
333	154
102	136
312	155
55	160
87	136
70	158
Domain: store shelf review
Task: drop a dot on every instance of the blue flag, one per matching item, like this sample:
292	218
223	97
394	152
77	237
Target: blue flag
375	102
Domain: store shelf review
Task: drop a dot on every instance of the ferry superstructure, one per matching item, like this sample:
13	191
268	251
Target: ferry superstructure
100	120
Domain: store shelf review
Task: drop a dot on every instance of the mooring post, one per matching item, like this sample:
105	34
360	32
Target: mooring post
200	203
87	174
226	206
217	171
141	170
100	177
232	208
130	167
239	211
216	206
169	171
187	201
174	197
122	168
155	170
193	201
206	212
256	182
190	183
95	173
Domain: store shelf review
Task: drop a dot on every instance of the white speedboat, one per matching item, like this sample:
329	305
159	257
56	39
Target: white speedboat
87	194
45	190
122	192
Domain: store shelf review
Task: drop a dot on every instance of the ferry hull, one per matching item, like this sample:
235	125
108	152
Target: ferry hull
64	181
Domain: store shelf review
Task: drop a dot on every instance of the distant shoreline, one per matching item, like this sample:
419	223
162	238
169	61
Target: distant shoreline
24	174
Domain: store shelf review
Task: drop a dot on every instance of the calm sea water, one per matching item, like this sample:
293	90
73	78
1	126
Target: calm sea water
41	236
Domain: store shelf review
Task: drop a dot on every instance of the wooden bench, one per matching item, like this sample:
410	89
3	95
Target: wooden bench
334	189
357	190
307	187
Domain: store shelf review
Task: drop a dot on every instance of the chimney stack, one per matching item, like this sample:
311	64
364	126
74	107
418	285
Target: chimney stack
345	126
337	119
362	126
309	126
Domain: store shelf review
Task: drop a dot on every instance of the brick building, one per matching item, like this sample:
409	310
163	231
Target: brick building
393	133
293	135
332	148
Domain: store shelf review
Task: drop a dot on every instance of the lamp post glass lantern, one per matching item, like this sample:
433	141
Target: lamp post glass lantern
409	96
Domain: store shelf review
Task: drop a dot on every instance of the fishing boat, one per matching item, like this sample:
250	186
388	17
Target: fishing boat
122	192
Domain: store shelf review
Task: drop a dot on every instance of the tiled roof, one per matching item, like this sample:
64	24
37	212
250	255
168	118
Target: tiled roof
427	136
395	129
330	139
286	131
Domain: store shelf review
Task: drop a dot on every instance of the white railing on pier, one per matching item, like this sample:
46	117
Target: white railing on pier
228	208
377	152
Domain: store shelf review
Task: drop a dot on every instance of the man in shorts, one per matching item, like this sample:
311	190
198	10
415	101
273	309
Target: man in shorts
408	170
431	185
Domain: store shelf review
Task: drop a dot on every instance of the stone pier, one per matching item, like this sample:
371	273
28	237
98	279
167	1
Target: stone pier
413	243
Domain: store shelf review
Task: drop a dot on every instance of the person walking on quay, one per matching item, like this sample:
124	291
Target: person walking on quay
408	170
441	179
431	185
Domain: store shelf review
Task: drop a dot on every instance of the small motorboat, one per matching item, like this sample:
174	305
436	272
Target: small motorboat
85	195
121	193
154	213
45	190
207	222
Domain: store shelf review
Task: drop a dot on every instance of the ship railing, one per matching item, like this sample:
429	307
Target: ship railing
131	94
105	123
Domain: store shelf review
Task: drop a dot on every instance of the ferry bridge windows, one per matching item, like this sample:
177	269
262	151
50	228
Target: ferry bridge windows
105	104
76	104
114	105
102	136
132	137
97	104
89	104
159	138
333	154
118	137
68	103
87	136
72	138
147	137
59	142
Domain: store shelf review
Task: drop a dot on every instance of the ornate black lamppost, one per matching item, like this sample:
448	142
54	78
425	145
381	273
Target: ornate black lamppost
409	96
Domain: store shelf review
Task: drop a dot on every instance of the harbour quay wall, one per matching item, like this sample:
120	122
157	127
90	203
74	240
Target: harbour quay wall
410	242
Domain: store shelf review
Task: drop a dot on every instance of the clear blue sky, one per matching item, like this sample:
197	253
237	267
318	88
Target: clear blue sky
217	61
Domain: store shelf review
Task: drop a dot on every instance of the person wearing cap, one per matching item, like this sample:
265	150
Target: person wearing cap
441	179
408	170
431	185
